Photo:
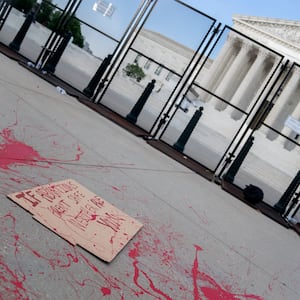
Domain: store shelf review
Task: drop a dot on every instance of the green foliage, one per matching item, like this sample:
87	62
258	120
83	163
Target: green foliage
23	5
45	13
49	17
54	19
73	26
134	71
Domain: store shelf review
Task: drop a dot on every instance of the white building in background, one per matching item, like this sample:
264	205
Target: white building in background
171	54
239	72
283	36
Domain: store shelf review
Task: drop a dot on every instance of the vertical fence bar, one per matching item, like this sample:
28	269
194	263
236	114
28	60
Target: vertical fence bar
129	38
166	115
5	9
125	39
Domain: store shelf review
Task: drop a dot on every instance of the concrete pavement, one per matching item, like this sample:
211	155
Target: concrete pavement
198	242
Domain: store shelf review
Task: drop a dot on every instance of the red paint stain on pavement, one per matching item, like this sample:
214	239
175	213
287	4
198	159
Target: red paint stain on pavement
159	285
106	291
115	188
210	288
152	272
79	154
12	282
195	272
140	275
13	152
12	279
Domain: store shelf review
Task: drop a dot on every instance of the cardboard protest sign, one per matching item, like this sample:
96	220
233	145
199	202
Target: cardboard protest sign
80	217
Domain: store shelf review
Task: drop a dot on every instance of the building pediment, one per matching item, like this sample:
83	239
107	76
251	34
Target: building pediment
285	31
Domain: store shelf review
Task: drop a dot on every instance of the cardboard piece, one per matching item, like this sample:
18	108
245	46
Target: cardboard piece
80	217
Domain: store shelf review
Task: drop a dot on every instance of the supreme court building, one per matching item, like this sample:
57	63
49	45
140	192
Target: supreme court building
253	53
251	73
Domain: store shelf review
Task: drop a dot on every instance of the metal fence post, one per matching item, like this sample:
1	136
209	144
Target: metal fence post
137	108
55	57
283	202
182	140
17	41
91	87
234	168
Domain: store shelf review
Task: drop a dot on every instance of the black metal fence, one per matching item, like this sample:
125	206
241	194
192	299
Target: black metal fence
159	58
208	96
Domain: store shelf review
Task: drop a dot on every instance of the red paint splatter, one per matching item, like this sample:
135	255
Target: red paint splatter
203	285
13	152
134	252
11	282
153	291
116	189
153	267
106	291
79	154
195	274
212	290
94	217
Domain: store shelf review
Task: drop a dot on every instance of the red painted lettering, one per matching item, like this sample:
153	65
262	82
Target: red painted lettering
112	221
98	201
28	196
59	209
82	219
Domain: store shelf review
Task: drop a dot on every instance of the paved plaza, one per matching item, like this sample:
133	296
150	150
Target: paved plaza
197	242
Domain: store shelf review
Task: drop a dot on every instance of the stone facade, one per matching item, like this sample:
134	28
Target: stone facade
251	55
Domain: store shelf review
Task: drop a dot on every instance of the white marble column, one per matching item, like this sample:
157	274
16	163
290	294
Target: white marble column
250	84
218	66
230	79
288	91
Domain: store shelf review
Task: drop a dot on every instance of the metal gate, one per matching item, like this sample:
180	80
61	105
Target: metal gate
212	117
156	63
207	97
272	160
20	31
102	28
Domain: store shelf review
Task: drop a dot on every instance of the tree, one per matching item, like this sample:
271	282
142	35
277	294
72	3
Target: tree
45	13
49	17
73	25
134	71
23	5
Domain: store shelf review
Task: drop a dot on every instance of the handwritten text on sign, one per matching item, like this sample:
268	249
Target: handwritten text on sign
80	217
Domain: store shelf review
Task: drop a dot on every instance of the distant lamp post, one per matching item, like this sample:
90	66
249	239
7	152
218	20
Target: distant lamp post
105	8
17	41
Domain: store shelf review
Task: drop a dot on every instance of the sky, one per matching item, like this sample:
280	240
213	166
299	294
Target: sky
222	10
168	16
